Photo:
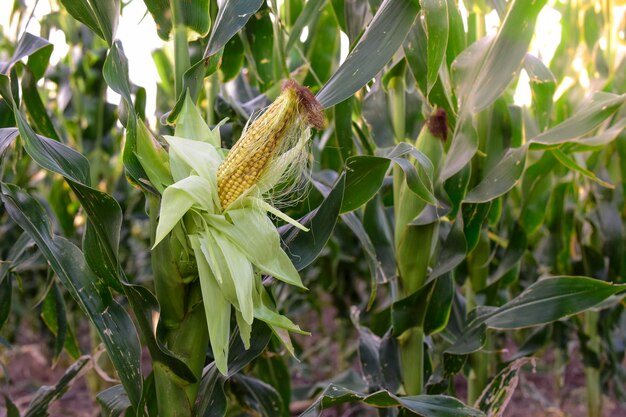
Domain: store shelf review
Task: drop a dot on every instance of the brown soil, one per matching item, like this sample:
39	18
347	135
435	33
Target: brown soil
537	394
28	367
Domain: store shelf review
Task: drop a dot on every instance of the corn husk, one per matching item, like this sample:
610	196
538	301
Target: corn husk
234	241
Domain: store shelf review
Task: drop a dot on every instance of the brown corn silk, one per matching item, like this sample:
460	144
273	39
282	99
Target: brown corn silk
270	135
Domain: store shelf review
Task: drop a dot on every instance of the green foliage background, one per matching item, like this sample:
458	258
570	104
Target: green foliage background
435	241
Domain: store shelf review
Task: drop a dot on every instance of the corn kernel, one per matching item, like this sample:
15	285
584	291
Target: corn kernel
265	139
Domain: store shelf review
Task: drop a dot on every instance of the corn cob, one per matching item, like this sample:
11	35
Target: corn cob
266	138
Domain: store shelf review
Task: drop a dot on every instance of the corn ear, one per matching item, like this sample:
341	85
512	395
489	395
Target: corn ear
267	138
415	244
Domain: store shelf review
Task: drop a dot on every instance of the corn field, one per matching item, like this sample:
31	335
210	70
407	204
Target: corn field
312	208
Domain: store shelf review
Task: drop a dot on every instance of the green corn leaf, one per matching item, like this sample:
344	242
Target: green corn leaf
38	51
364	177
100	16
497	395
600	139
36	109
258	42
374	50
590	115
211	396
420	185
7	137
305	247
439	305
193	14
484	70
239	356
369	356
437	406
545	301
113	401
552	299
6	290
274	371
456	36
311	9
323	46
410	311
193	80
513	253
114	326
569	162
162	15
416	52
231	17
453	251
17	254
378	225
436	19
501	178
53	314
543	86
196	15
232	60
258	395
376	271
115	74
463	147
53	155
11	408
38	407
423	405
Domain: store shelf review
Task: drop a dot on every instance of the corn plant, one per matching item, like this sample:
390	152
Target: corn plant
403	183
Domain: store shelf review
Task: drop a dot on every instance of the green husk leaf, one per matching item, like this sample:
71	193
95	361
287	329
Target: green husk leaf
153	158
241	274
187	156
191	125
256	236
178	199
216	308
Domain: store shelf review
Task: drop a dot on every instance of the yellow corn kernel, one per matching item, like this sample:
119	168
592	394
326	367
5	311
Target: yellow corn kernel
264	139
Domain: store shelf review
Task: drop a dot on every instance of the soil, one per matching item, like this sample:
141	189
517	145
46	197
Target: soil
28	368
